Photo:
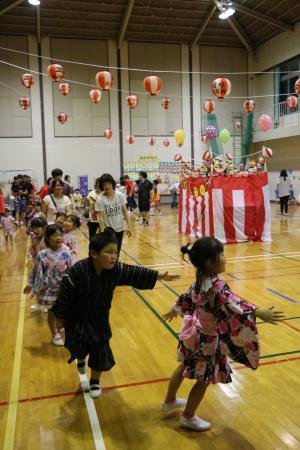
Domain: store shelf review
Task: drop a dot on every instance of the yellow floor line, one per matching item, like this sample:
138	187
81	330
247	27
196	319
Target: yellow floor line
14	389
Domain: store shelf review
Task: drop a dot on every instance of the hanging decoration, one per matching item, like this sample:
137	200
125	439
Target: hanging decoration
108	133
179	137
95	95
267	152
104	80
238	124
151	141
153	84
62	117
221	87
224	136
130	139
206	156
27	79
209	106
177	157
291	101
204	139
64	88
166	143
261	160
56	72
229	156
297	87
166	102
210	132
132	101
249	105
264	122
24	102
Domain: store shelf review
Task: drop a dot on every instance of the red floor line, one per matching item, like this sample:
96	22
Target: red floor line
290	326
137	383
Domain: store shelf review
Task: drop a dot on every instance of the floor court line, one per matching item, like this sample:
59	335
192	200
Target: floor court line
145	382
282	295
9	436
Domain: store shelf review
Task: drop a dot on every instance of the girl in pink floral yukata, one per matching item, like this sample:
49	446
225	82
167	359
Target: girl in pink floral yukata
216	323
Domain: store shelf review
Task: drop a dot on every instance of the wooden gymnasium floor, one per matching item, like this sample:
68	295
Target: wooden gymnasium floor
41	407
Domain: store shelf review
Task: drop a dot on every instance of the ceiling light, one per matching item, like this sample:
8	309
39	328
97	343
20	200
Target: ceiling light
34	2
230	12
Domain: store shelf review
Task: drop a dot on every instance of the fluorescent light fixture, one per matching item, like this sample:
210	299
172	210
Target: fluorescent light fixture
227	13
34	2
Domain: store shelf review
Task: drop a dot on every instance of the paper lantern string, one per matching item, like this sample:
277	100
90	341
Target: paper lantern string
133	69
136	92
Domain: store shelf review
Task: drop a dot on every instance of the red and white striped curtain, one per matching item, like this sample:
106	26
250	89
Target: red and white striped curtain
231	209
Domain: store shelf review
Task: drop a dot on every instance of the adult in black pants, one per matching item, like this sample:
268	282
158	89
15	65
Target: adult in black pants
111	208
144	188
284	184
93	224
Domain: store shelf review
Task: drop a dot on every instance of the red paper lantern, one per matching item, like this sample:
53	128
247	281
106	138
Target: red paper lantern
104	80
221	87
132	101
291	102
166	102
249	105
64	88
27	80
151	141
166	143
56	72
177	157
297	87
206	155
95	95
204	139
152	84
62	117
108	133
267	152
209	106
130	139
24	102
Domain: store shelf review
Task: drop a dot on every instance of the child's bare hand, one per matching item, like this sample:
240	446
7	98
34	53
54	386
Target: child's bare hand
169	316
27	289
269	315
166	277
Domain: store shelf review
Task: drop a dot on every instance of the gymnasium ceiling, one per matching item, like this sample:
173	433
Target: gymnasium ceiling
174	21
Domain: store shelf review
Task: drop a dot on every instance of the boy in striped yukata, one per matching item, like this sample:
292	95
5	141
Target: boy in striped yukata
84	303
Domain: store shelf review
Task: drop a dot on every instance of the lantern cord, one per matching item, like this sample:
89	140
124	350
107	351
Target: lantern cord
129	92
133	69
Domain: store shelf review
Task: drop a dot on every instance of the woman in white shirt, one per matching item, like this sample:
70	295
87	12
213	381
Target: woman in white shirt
56	202
111	208
283	186
92	197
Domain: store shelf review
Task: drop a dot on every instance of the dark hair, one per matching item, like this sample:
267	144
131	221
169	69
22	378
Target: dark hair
57	173
143	174
50	230
101	240
60	214
122	181
155	182
106	178
54	183
203	250
75	220
49	180
127	177
66	177
283	174
38	222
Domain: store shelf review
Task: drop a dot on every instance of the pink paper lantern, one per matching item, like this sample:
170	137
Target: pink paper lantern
210	132
151	141
204	139
229	156
177	157
166	143
264	122
291	101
